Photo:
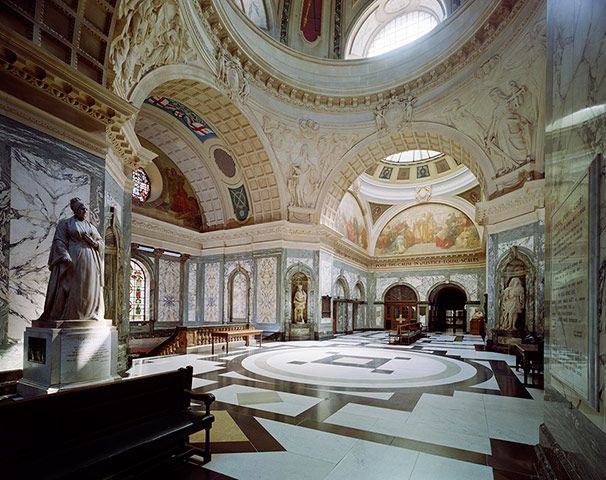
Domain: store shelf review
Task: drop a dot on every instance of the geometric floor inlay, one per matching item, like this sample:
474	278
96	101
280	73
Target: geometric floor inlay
320	366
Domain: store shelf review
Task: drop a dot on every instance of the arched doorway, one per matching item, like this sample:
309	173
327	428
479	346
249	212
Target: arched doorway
341	302
447	308
400	301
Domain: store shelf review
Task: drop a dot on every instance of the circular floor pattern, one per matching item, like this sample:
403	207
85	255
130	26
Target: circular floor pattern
358	367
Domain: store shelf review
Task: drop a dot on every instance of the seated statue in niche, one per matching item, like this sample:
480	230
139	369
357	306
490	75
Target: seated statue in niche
512	304
300	304
75	287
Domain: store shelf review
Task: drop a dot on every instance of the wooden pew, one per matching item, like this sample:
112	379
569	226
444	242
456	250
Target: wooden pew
115	430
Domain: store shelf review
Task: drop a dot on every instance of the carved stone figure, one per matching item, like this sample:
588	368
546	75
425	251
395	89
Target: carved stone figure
152	35
512	304
508	138
300	304
231	77
75	288
393	114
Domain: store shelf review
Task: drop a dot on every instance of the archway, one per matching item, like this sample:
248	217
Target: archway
400	304
423	136
340	311
447	308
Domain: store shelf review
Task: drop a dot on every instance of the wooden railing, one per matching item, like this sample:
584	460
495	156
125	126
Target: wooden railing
184	337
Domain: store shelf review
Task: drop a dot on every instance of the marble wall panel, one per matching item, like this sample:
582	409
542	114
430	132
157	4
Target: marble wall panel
575	133
40	193
212	300
192	292
169	291
38	177
267	285
529	237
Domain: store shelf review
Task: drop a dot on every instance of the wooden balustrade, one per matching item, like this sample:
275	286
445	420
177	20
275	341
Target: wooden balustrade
184	337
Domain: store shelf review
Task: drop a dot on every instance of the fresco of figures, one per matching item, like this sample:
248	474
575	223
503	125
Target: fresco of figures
350	221
426	229
177	203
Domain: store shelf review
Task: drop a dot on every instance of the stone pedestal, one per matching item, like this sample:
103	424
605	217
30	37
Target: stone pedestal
300	331
68	354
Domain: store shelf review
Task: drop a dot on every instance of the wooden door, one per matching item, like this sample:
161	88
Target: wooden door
400	302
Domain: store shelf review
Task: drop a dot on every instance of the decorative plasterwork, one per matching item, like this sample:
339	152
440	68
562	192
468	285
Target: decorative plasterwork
306	154
519	202
417	137
23	64
151	34
288	91
233	127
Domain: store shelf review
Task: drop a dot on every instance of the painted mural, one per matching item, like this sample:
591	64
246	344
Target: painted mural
428	229
350	221
177	203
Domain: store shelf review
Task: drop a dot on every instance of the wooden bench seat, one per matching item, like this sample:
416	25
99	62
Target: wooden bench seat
117	430
405	333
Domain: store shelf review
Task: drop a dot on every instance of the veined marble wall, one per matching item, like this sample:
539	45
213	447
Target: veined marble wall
169	291
532	239
212	293
192	292
575	132
39	176
120	200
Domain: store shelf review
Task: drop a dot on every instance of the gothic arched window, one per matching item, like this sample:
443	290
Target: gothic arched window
139	293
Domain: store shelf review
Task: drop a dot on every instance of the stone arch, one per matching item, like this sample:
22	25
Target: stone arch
312	287
359	286
420	135
168	135
435	288
396	284
341	280
234	123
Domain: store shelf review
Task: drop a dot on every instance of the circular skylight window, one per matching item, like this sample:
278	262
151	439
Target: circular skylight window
412	156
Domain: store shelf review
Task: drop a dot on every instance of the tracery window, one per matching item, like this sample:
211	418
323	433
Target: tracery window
139	293
141	185
412	156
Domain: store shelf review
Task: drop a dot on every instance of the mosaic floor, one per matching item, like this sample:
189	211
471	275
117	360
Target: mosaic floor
355	407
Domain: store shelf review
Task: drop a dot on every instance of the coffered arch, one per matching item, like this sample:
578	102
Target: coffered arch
177	143
420	135
192	87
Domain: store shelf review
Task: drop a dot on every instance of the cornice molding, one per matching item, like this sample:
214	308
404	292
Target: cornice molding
527	199
24	62
286	90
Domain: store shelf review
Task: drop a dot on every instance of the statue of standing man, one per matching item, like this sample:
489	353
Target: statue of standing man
512	304
300	304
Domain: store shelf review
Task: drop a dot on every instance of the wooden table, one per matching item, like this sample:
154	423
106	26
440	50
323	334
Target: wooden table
527	355
227	335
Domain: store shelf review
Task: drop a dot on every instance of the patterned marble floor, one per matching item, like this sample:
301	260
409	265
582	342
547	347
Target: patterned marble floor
357	407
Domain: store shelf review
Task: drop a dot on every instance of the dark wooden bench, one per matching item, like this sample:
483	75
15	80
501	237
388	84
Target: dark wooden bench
117	430
405	333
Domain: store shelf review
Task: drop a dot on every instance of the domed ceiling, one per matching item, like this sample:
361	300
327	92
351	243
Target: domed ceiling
346	28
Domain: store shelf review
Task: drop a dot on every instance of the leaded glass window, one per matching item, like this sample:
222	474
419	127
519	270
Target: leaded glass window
138	298
141	185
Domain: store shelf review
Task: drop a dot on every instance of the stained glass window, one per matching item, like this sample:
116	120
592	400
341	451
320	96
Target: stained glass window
138	293
141	185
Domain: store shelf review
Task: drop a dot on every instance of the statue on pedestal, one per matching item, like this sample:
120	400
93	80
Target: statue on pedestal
75	288
300	304
512	304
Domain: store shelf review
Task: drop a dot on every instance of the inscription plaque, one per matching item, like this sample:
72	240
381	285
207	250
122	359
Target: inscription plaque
573	305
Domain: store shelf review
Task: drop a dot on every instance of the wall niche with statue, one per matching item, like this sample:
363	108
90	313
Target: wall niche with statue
301	303
516	294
